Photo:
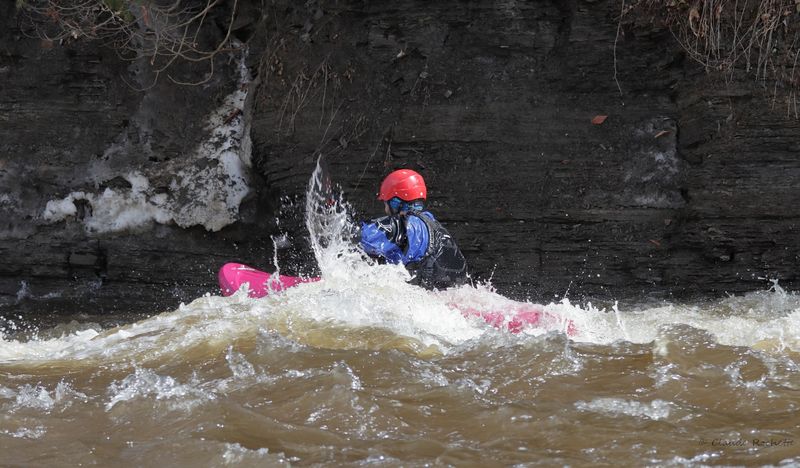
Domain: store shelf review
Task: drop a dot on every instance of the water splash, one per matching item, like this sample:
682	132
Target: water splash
361	304
331	230
146	384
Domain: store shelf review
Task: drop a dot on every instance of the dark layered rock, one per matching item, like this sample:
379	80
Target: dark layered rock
75	118
686	188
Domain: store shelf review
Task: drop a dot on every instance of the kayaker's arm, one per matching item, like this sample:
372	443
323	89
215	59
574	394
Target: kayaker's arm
384	237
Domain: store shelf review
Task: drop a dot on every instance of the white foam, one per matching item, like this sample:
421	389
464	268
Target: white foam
6	392
26	433
655	410
144	383
238	365
384	300
235	454
45	350
65	394
36	397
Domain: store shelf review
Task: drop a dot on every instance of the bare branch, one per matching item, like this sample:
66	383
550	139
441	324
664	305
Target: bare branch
163	32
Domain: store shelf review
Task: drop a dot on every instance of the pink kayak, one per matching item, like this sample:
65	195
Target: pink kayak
523	315
233	275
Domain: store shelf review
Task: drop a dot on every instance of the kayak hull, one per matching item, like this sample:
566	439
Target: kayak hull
232	276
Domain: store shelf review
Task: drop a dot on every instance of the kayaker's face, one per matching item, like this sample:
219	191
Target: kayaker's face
388	210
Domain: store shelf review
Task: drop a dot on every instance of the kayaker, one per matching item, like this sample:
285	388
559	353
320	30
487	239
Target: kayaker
412	236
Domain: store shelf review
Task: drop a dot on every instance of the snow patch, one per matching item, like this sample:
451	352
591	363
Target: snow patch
207	191
112	210
666	161
57	210
653	201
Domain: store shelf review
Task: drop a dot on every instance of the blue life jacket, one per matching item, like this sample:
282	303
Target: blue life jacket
418	241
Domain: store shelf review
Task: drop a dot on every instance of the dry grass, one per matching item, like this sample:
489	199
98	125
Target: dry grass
759	37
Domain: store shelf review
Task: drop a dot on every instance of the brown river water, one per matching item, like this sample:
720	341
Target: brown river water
235	381
362	369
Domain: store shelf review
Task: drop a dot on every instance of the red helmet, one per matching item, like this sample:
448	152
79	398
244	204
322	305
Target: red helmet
405	184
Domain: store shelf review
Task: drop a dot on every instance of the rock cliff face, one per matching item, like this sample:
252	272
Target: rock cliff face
565	154
113	187
685	188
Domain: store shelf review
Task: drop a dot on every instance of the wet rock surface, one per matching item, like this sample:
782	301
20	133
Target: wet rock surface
564	157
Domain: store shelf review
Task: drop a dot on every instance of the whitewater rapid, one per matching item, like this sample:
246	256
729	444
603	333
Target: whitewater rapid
362	368
356	293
